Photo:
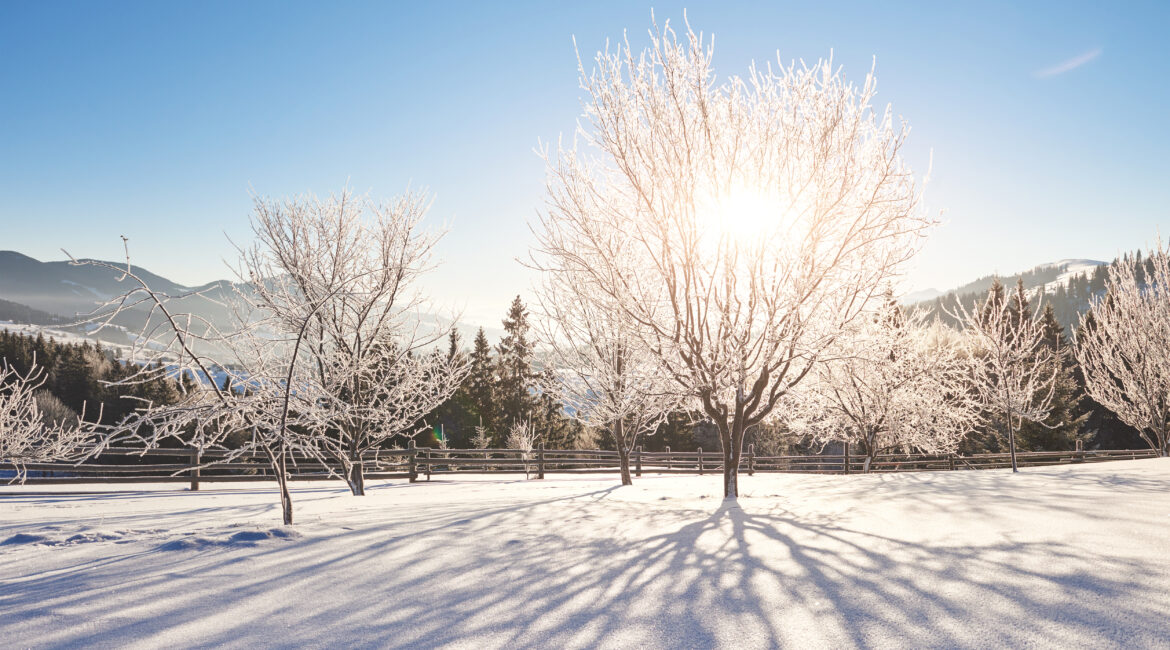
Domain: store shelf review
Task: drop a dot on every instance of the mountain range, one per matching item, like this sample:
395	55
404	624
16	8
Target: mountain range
58	295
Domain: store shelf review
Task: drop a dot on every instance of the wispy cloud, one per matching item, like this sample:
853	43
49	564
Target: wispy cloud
1071	64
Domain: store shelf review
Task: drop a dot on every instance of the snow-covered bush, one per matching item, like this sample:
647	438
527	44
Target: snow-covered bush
28	434
891	382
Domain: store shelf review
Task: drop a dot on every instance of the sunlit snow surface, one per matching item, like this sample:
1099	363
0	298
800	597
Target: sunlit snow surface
1071	556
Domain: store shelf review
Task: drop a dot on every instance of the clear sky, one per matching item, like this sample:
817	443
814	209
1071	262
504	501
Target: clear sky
155	120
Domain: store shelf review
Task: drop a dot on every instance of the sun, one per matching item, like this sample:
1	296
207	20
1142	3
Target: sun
745	215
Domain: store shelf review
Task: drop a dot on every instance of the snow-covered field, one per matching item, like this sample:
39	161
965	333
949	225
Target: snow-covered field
1073	556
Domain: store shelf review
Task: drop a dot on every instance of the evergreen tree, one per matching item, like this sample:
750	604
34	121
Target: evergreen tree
454	344
515	378
79	375
480	383
1020	306
453	422
995	298
1065	420
556	429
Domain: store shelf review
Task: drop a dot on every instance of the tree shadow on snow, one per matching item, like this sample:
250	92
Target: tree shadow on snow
568	571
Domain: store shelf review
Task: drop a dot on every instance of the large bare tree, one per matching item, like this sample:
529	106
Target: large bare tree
1123	346
356	262
739	223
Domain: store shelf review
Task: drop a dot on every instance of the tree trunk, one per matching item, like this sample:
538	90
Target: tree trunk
285	496
618	431
730	476
1012	441
732	442
356	478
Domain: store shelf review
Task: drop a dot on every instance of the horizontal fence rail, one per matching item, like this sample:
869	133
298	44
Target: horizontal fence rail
130	465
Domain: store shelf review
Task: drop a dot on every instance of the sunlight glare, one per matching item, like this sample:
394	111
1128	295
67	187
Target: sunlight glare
746	215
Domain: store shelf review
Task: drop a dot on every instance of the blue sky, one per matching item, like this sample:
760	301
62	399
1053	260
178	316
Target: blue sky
156	120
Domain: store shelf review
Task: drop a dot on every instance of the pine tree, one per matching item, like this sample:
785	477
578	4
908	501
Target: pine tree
453	422
995	298
556	429
1065	420
480	383
1019	308
454	344
515	378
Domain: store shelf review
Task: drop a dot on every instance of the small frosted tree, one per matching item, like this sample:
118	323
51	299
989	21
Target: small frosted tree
481	439
892	382
27	433
739	224
522	436
1013	371
1123	346
604	375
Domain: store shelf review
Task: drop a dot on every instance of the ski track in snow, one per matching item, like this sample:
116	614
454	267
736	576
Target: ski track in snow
1071	556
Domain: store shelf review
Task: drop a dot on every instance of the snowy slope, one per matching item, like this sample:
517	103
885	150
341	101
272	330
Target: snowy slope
1072	267
1063	557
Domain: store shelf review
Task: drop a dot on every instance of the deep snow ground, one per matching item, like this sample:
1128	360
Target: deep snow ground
1072	556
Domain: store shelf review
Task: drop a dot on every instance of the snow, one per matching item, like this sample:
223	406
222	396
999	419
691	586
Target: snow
1069	556
61	336
1072	267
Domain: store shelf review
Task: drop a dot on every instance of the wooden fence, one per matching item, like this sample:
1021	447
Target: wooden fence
126	465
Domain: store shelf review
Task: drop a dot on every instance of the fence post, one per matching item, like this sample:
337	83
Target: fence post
430	460
668	463
951	460
751	459
194	470
410	446
700	461
1080	455
845	459
638	460
540	461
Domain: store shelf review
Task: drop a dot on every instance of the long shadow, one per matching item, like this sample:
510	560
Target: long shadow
587	569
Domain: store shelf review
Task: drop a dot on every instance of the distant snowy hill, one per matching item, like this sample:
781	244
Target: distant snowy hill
1068	285
1070	268
48	296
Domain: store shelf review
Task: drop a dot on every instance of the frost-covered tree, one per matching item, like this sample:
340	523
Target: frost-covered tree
357	261
481	439
523	437
740	223
891	382
1013	370
605	377
1123	346
272	400
27	433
